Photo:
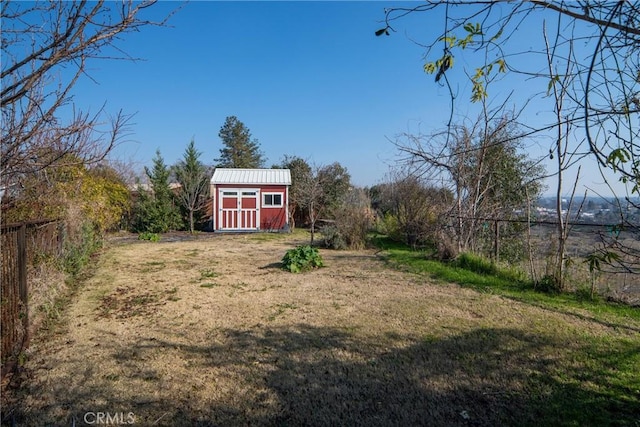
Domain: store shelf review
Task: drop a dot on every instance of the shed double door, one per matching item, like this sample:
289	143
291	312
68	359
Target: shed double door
239	209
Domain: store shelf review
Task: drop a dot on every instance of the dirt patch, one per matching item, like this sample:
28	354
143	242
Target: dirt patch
127	302
212	332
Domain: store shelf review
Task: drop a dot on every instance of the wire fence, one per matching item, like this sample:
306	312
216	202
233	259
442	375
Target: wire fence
22	246
532	245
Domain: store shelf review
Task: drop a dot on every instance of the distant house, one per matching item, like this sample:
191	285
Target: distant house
250	199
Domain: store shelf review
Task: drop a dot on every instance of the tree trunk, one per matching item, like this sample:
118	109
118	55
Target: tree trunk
559	273
532	268
312	218
292	219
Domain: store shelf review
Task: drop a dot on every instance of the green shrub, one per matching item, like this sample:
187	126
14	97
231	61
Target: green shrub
587	293
302	258
152	237
549	284
387	224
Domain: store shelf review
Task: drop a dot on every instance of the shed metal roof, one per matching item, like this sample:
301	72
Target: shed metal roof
251	176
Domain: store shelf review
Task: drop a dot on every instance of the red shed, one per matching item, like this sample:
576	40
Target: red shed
250	199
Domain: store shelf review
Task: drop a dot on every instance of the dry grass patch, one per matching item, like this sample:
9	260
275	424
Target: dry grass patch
213	332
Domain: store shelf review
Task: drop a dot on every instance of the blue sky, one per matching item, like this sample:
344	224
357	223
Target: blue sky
307	78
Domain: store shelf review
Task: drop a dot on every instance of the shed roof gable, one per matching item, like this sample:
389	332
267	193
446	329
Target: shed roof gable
251	176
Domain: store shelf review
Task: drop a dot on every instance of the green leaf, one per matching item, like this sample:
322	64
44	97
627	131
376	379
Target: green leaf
465	41
555	79
430	67
450	40
497	36
617	156
611	256
474	30
301	259
478	92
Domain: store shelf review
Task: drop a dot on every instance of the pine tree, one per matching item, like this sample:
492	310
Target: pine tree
239	151
194	181
157	212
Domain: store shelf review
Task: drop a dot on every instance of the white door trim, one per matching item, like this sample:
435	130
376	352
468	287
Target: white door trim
240	219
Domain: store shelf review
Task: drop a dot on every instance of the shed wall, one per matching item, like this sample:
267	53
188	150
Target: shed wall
266	218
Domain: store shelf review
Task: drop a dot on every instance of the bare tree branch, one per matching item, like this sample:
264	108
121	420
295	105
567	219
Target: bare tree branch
45	49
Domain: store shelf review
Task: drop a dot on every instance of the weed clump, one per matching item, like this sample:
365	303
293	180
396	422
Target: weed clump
302	258
152	237
476	264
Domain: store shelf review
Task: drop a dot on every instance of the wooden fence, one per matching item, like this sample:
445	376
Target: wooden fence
22	245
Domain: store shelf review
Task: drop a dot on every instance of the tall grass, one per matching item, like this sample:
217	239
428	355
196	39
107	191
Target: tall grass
78	251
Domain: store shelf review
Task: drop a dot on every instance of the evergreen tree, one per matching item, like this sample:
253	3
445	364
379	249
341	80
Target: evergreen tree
156	212
239	151
194	181
144	216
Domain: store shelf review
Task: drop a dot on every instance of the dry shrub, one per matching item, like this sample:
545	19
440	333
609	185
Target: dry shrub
446	249
353	221
74	222
49	264
412	211
47	287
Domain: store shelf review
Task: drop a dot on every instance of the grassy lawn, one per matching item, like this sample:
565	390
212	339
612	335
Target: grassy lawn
214	332
609	384
480	275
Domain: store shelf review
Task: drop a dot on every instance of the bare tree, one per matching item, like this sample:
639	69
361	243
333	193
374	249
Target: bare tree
45	49
311	197
484	167
586	68
565	157
416	211
320	190
353	219
604	96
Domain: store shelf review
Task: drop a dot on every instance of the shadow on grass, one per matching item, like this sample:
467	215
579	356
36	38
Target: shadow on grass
306	375
272	266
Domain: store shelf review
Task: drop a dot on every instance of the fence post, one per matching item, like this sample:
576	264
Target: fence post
22	278
496	246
